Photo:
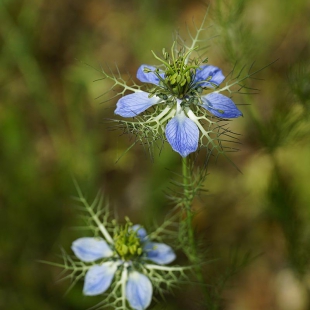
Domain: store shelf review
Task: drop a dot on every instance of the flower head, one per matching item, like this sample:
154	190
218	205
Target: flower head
127	255
184	90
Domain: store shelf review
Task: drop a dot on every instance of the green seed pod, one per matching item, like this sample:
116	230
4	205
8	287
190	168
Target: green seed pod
124	249
174	76
132	249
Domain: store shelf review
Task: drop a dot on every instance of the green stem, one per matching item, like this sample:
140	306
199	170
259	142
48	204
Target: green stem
193	257
189	213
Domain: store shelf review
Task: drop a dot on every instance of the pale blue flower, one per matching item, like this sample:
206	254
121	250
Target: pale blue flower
138	290
182	130
99	276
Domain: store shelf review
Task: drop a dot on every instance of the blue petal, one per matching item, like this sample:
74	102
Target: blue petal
141	232
182	134
148	77
90	249
133	104
139	291
98	278
221	106
208	71
159	253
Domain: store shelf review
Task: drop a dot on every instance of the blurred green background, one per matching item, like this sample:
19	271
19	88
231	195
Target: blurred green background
52	129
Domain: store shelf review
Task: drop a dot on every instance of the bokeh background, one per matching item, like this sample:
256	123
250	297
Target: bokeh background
52	129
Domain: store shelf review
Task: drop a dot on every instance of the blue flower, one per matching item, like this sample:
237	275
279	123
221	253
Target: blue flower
131	247
179	87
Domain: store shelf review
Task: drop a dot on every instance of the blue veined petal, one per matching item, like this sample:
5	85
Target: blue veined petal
148	77
141	232
221	106
90	249
98	278
182	134
133	104
139	290
207	71
159	253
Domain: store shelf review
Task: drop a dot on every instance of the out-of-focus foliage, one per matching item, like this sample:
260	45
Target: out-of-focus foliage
52	128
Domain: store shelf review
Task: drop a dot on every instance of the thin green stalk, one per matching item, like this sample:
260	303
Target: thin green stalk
189	213
191	236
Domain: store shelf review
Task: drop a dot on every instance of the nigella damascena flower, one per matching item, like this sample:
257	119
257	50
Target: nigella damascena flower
128	254
181	87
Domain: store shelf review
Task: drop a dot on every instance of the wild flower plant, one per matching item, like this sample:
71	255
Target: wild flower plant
121	261
181	102
179	93
129	249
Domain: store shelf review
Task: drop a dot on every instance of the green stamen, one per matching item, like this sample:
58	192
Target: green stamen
127	243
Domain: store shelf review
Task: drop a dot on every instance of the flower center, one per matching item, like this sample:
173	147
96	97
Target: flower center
178	77
127	243
177	80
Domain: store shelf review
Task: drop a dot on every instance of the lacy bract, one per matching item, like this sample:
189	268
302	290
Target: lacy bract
127	255
184	90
